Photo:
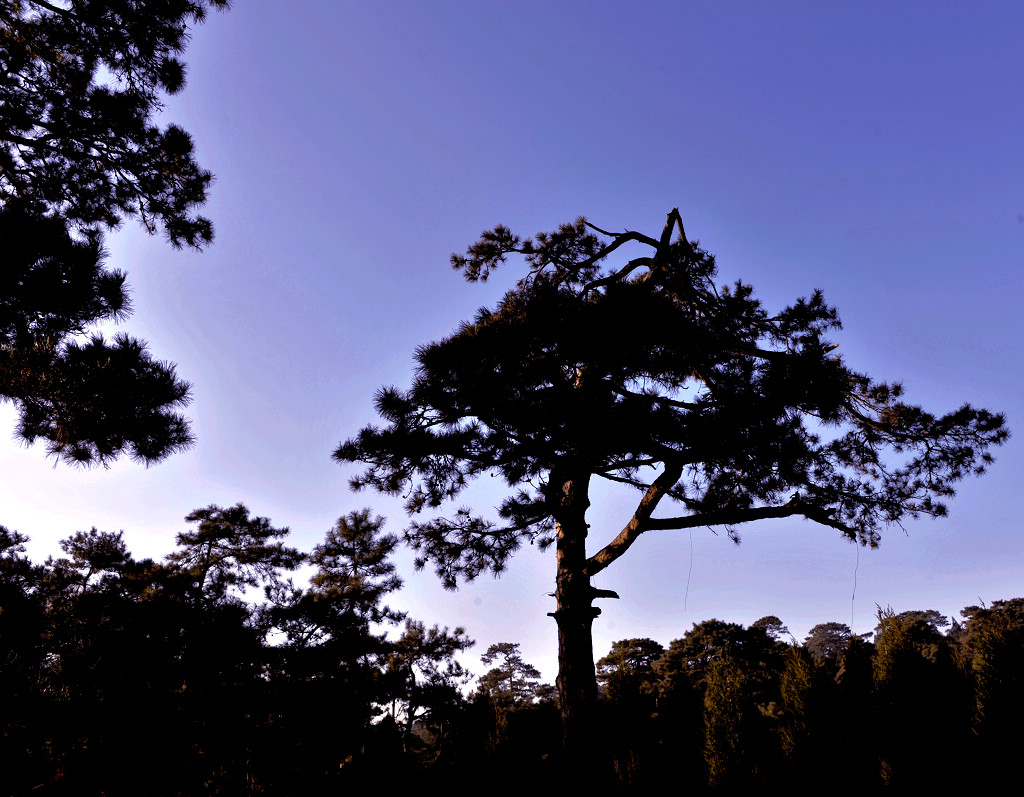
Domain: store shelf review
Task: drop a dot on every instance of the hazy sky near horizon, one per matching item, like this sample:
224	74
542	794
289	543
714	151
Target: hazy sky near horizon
874	150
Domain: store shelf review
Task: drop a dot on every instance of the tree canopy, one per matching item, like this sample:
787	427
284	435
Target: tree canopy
512	680
114	668
90	398
229	550
652	376
646	374
828	642
81	84
79	151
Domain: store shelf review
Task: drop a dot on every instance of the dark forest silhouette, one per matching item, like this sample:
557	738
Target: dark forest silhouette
139	677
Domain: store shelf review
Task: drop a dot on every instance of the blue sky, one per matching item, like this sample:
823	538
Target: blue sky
873	150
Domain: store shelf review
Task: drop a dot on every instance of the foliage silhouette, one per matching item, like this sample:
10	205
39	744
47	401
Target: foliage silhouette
649	375
90	399
113	672
229	550
81	85
828	643
513	680
991	648
628	670
921	698
79	151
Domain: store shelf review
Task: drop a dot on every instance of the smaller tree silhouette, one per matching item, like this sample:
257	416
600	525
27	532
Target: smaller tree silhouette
512	681
229	550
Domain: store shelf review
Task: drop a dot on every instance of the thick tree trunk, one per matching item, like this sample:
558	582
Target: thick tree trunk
577	682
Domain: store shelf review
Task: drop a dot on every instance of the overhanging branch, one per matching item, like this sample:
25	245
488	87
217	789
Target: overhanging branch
732	517
637	524
619	275
727	517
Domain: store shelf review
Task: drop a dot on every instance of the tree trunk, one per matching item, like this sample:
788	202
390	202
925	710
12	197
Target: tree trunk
577	682
410	713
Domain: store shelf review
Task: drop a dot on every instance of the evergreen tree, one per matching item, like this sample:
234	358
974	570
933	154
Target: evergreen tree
691	657
423	673
133	677
229	550
828	642
127	650
518	718
992	654
331	651
354	570
95	552
854	722
628	670
771	626
796	687
921	699
81	84
513	680
647	375
353	576
632	711
22	663
810	722
90	399
728	748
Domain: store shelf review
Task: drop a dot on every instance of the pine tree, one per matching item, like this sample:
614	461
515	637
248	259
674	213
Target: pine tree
331	649
81	84
628	670
727	743
648	375
512	681
631	708
229	550
355	571
423	672
801	696
827	643
921	698
992	655
89	398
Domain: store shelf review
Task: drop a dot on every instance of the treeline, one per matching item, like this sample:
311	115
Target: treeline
211	672
923	703
927	704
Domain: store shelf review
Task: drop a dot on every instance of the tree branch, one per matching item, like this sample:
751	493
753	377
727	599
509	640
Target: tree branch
726	517
630	267
653	398
619	479
637	523
730	517
624	238
55	9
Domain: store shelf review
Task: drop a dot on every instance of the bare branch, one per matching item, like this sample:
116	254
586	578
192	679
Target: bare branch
597	229
654	399
619	275
637	524
731	517
641	522
624	238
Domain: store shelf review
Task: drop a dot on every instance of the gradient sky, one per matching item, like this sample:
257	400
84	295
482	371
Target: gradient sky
873	150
